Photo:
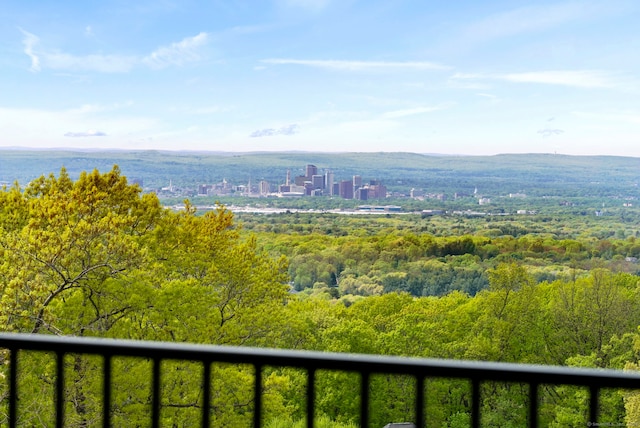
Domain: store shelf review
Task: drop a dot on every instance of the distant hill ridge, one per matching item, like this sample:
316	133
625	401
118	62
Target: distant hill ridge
538	173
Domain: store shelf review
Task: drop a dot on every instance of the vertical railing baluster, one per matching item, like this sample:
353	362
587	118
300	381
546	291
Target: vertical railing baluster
155	398
59	389
257	397
531	380
106	391
364	400
533	405
421	408
206	394
593	404
13	387
475	403
311	397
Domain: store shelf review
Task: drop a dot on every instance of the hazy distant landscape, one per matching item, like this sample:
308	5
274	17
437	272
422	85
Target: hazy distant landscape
533	174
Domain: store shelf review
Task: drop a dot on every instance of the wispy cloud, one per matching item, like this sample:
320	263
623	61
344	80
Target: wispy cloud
625	116
98	108
99	63
576	78
313	5
210	110
358	65
90	133
550	132
186	50
533	18
270	132
409	112
308	5
580	78
179	53
29	41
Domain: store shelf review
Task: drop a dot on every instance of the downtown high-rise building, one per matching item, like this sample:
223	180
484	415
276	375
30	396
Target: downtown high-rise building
311	170
346	189
328	182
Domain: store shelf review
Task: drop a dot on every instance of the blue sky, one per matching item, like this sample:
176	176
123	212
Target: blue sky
463	77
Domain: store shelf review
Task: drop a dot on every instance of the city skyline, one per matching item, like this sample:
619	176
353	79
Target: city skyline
322	75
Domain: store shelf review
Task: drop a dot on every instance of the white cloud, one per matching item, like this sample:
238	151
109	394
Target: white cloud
550	132
579	78
576	78
37	127
359	65
179	53
628	117
533	18
409	112
186	50
210	110
29	41
314	5
292	129
89	133
100	63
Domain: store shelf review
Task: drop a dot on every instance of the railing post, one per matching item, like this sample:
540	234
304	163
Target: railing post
421	408
206	394
59	389
257	398
364	399
533	405
155	399
475	403
593	405
13	387
106	392
311	396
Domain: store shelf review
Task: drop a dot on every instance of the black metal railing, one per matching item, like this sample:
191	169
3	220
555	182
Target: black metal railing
366	365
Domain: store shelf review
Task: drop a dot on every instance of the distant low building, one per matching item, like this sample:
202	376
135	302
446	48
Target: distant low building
362	194
416	193
400	425
380	208
426	213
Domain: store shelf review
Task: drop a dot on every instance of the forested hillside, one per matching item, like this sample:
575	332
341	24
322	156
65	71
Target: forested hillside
349	255
534	174
94	256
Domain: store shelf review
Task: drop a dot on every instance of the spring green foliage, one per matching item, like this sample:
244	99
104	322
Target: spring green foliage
364	255
96	257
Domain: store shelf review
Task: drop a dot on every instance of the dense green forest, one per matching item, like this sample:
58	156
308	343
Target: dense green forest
350	255
95	256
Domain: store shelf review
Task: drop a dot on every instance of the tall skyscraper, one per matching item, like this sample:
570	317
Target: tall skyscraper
357	182
346	189
328	182
311	171
265	189
317	181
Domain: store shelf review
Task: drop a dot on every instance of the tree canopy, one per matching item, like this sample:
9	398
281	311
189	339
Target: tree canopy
98	257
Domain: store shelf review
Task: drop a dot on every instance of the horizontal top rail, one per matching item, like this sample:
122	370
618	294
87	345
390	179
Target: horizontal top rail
426	367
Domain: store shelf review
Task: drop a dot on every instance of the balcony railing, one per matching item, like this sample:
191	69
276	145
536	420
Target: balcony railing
366	365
